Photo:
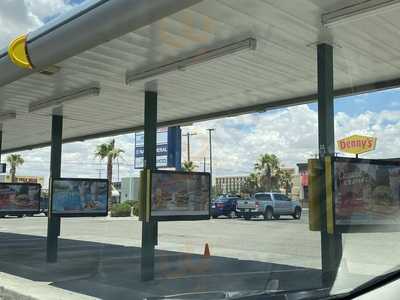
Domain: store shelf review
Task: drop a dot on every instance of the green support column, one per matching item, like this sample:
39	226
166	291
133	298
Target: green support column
1	140
331	244
149	229
53	224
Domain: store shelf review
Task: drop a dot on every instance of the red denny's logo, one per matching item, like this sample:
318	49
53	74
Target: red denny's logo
357	144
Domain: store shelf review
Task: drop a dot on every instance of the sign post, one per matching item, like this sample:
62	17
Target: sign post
175	147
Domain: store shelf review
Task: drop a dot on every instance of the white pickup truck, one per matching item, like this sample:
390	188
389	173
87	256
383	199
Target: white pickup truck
270	205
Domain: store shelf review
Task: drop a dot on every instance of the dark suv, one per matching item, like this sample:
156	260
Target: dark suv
224	206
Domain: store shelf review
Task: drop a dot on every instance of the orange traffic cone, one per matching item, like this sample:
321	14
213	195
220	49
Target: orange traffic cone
206	251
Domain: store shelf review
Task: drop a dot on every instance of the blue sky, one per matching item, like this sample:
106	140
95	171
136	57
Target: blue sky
67	2
374	102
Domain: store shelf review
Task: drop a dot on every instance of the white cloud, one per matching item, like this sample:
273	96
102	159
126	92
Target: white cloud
19	16
78	160
238	142
47	8
290	133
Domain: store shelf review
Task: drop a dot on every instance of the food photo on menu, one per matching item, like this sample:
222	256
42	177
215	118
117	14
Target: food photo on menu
19	197
79	196
367	194
180	194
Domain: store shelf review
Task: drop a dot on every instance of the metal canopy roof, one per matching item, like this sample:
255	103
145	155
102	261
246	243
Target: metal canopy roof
280	72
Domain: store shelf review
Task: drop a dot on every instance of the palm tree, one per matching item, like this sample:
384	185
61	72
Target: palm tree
268	169
285	180
189	166
14	160
251	185
108	150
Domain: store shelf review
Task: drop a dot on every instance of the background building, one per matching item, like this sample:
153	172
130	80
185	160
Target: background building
130	187
229	184
23	179
233	184
303	172
295	190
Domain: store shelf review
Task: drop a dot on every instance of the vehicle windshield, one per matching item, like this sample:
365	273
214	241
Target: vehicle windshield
198	149
262	196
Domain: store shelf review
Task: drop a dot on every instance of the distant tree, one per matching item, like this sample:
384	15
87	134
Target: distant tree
285	180
189	166
108	150
251	184
14	160
268	170
215	191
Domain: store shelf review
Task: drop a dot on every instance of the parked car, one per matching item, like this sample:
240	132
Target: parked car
19	215
224	206
270	205
44	204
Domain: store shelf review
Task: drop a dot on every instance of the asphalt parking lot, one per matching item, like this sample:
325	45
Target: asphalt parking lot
99	257
273	241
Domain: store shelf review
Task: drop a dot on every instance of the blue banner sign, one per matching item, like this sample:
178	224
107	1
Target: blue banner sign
162	150
168	148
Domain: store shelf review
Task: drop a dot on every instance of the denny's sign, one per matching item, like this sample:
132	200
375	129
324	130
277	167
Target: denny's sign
357	144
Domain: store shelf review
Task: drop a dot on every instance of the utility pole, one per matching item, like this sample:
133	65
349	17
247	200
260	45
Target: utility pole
99	169
210	130
118	168
188	135
204	164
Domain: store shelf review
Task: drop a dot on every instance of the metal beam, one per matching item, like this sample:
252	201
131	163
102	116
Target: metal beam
326	128
149	227
331	244
265	106
356	11
125	16
53	224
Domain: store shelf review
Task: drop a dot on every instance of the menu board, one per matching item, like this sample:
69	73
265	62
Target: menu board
180	195
79	197
366	192
19	198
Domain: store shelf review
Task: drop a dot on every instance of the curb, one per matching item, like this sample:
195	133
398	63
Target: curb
6	294
17	288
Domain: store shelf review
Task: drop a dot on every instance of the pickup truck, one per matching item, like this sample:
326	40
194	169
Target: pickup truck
269	205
